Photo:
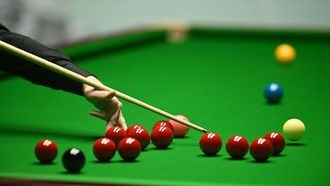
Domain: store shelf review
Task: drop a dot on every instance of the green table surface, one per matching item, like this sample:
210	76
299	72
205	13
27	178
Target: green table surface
214	78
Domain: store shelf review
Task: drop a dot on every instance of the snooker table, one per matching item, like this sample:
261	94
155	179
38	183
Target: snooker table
212	75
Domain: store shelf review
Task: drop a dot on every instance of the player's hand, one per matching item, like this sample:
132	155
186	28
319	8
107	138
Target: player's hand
109	107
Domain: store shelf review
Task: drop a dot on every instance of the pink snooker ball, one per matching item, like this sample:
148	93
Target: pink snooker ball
179	130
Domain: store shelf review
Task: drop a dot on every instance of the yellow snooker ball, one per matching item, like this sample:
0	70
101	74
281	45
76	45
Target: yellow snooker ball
294	129
285	53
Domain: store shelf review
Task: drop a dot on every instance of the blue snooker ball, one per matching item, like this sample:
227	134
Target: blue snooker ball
273	93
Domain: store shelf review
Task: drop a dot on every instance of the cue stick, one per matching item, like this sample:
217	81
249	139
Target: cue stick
77	77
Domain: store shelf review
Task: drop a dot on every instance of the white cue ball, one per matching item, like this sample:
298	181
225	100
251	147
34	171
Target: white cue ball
294	129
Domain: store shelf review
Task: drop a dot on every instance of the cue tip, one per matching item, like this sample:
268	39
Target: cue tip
204	130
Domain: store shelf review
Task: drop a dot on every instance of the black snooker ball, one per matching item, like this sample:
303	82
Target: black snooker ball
73	160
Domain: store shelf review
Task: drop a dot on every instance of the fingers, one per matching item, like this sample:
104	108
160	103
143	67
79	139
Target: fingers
109	106
114	118
108	126
92	93
122	121
100	95
117	118
87	88
97	114
113	121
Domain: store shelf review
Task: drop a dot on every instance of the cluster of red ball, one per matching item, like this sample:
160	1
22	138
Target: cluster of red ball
129	143
136	138
237	146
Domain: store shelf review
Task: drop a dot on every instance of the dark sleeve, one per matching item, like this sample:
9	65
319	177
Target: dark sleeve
34	73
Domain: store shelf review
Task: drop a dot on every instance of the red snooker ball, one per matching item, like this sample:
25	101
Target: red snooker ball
133	128
129	149
104	149
261	149
210	143
163	123
179	130
142	135
162	137
237	147
277	141
46	151
116	134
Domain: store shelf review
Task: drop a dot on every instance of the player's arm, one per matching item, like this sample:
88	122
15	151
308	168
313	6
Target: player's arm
34	73
108	105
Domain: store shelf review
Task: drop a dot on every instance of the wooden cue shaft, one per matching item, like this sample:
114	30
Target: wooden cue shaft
58	69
